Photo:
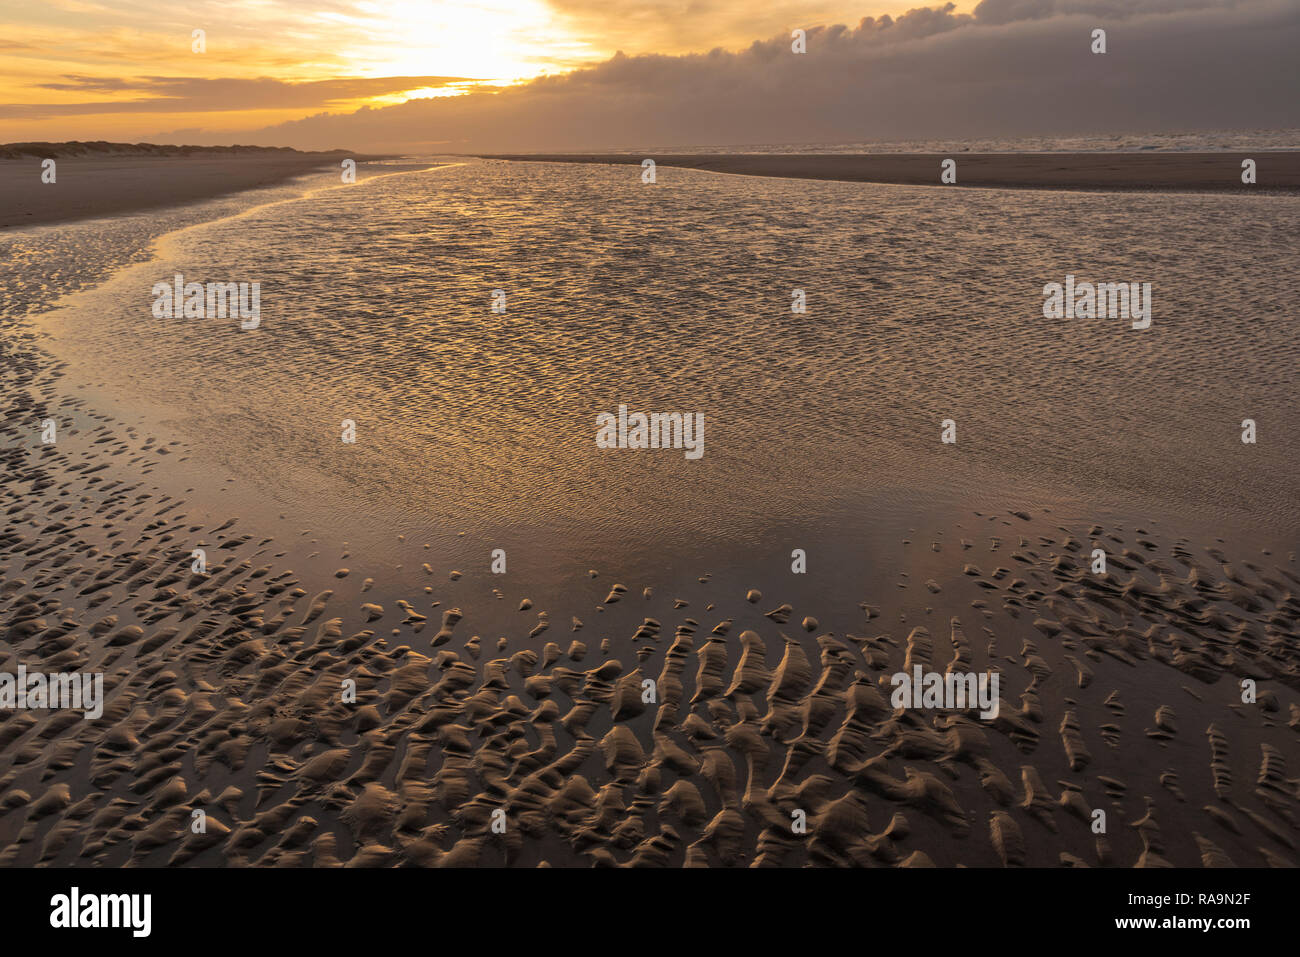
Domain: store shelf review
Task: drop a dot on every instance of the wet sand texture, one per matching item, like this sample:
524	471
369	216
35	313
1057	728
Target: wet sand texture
769	738
1118	693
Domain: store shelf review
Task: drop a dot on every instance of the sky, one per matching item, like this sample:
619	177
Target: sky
420	76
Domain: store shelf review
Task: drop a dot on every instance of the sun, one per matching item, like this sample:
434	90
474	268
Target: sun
493	40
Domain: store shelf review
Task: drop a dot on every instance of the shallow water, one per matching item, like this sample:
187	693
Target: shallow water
923	304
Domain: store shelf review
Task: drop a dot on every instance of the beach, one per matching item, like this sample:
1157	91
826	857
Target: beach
89	184
313	644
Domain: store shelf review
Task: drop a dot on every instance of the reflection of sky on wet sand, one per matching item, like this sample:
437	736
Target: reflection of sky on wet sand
922	305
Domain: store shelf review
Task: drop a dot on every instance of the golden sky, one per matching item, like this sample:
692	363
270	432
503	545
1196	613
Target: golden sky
126	69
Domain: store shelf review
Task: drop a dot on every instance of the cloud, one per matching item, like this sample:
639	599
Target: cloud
1008	11
1011	67
167	94
676	26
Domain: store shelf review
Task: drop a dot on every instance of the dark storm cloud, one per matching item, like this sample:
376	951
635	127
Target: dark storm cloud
1011	67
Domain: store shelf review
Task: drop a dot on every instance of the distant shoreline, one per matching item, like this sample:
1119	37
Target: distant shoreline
102	179
104	149
1145	171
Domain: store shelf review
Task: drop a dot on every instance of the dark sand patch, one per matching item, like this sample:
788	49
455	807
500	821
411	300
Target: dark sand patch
1279	170
87	187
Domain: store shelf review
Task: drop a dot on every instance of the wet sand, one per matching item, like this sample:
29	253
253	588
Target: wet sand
92	186
1103	171
496	724
227	694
